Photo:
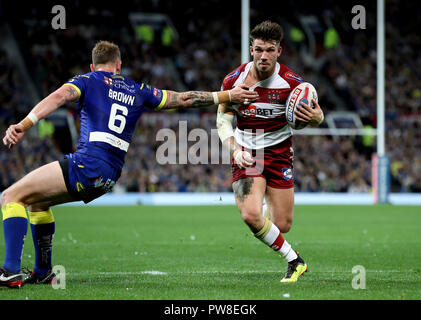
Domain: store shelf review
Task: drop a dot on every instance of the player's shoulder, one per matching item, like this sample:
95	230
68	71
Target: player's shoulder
234	74
231	77
80	77
293	78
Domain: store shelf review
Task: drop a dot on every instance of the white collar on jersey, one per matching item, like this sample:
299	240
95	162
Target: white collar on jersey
274	81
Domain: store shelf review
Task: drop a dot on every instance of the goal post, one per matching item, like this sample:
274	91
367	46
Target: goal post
381	185
245	30
380	178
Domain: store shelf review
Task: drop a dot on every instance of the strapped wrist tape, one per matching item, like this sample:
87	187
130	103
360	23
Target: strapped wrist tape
221	97
30	120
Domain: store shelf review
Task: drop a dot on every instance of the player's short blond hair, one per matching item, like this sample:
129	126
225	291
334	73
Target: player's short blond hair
267	30
105	52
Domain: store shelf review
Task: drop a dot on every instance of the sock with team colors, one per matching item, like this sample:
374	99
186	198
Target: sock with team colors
15	225
43	228
271	235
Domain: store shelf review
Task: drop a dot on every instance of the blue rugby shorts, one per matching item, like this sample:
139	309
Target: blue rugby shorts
86	177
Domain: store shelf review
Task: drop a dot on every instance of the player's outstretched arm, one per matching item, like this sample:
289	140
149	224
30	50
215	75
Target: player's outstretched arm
15	132
189	99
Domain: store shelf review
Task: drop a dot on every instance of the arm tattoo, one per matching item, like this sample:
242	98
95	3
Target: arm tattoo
189	99
71	91
199	98
173	100
242	188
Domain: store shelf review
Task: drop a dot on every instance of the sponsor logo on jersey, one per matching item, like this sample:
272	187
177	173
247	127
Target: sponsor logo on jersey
274	97
252	111
232	75
108	81
287	173
157	93
120	84
293	76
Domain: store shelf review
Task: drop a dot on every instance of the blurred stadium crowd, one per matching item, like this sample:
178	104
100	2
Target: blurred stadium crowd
343	61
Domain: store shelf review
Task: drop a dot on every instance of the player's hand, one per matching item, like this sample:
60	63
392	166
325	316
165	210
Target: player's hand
241	94
314	116
13	135
242	158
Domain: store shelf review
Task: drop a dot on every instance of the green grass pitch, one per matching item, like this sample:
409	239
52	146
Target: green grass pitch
208	253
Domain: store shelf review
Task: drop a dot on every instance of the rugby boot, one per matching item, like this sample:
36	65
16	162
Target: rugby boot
296	268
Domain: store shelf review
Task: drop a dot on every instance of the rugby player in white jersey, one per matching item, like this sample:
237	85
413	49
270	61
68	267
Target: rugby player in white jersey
261	145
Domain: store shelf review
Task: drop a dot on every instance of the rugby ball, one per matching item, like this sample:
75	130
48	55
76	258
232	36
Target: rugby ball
304	92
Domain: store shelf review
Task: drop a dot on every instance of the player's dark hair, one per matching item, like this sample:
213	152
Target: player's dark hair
105	52
267	30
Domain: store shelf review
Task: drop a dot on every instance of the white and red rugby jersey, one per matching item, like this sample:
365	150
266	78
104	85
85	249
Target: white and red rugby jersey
263	123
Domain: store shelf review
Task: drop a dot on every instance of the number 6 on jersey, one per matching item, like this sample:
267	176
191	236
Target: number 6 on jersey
115	107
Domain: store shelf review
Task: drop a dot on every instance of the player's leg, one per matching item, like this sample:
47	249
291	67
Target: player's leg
46	185
280	204
42	224
249	193
280	207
